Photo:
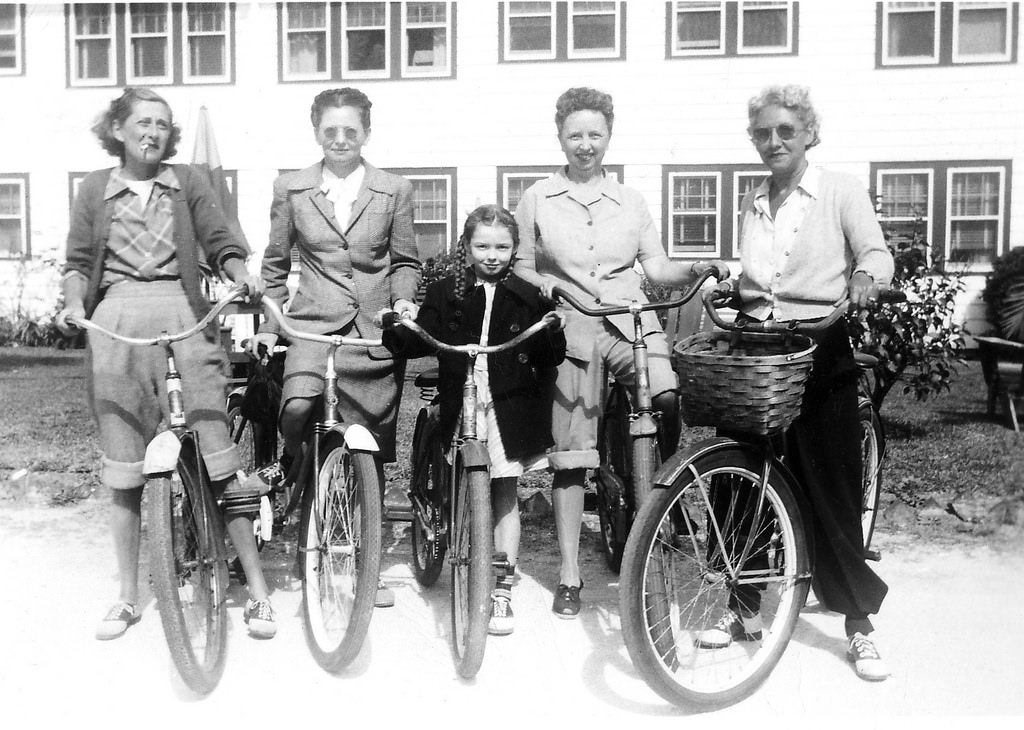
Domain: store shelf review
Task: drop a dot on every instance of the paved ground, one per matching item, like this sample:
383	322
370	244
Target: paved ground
951	631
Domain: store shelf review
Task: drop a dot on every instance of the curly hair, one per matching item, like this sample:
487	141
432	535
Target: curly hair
788	96
120	109
582	98
346	96
485	215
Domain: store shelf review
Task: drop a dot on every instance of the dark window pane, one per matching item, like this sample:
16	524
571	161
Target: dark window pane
982	31
10	238
973	241
92	19
207	56
911	35
427	47
593	32
366	50
530	34
699	30
93	59
8	52
149	18
765	28
149	56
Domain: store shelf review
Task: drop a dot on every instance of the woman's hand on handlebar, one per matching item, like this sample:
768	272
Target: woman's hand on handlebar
268	340
66	328
556	320
863	291
720	269
403	307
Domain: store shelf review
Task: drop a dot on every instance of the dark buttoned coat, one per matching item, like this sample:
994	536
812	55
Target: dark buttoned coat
520	378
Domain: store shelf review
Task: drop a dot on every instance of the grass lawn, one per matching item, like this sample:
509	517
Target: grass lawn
945	448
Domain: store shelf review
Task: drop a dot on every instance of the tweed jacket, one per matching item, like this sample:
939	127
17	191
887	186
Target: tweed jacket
200	226
344	275
520	379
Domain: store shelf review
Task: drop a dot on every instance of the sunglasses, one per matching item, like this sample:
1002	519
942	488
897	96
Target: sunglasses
347	133
786	132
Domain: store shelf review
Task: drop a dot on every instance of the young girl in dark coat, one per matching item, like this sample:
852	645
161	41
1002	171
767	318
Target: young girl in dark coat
484	302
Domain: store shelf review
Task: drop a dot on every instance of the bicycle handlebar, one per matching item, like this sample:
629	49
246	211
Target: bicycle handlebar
392	319
634	307
273	309
234	293
885	296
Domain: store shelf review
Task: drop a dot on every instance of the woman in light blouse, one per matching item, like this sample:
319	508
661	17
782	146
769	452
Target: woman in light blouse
809	237
583	231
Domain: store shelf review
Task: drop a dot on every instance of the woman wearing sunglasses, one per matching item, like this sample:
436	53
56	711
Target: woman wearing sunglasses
809	237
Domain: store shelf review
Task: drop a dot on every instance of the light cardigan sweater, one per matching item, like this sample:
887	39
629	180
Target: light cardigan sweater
837	235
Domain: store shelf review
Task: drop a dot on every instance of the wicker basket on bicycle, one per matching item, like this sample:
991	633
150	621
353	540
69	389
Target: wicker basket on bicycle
749	382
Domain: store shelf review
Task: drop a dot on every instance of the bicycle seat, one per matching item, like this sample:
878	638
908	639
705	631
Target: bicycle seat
427	379
865	361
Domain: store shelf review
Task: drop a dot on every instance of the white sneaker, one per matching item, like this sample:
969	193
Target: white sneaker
502	620
865	658
731	627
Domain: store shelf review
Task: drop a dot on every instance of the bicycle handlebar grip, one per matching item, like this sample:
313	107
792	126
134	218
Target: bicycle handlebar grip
389	320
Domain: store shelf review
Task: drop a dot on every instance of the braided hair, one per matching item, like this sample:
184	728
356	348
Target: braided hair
486	215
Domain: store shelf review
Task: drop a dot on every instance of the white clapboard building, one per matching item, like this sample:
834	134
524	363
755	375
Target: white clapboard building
922	101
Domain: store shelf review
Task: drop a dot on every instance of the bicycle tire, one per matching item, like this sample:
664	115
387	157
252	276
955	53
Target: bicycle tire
426	488
872	451
340	539
676	586
472	548
244	434
189	573
613	503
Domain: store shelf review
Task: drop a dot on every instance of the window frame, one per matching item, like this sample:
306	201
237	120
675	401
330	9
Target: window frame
728	206
947	36
1001	222
129	56
18	33
396	45
673	214
120	53
731	28
22	180
562	34
587	55
940	202
229	48
448	174
928	219
415	72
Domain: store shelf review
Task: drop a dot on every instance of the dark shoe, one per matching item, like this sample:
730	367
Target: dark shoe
385	597
260	618
567	601
116	622
270	477
731	627
865	658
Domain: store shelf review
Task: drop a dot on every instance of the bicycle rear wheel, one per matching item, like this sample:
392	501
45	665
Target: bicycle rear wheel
472	547
872	448
340	546
189	572
682	572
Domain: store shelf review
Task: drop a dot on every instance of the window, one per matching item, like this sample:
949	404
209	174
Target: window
702	204
161	43
731	28
433	208
14	216
366	40
959	207
514	181
562	31
934	33
12	39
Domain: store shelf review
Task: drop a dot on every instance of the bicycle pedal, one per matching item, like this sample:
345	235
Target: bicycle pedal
873	555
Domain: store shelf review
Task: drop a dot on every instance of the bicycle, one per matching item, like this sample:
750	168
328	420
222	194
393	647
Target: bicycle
630	441
340	523
742	526
451	503
188	557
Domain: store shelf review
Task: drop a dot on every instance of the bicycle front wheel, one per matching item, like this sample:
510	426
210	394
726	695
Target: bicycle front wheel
472	546
340	546
189	573
872	448
426	488
699	548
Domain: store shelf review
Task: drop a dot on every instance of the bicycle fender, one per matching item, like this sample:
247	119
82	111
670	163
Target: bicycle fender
161	454
359	438
474	453
677	463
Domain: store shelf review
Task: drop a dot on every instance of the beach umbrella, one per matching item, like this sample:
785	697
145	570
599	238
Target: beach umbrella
206	160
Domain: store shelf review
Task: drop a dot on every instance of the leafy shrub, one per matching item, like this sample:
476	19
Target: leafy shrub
20	329
915	341
1004	294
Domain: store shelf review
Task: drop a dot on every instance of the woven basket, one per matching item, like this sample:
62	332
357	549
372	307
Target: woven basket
748	382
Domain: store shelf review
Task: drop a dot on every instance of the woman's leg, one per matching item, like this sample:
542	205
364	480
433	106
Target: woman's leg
126	526
294	422
567	500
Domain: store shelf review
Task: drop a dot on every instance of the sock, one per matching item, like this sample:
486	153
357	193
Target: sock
503	584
